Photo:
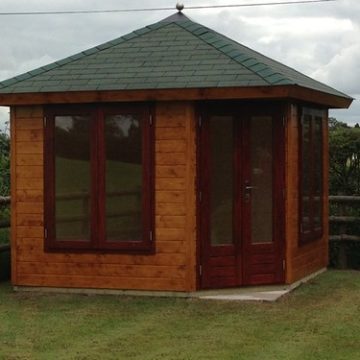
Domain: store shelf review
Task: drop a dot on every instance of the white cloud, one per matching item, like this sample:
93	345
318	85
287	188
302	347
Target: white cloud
320	40
343	69
18	68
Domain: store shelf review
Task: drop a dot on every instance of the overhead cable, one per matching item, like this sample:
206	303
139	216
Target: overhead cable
75	12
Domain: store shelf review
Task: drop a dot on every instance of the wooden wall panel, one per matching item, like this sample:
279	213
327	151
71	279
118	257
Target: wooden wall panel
26	178
101	282
29	159
169	184
30	249
13	190
171	268
112	270
306	259
190	194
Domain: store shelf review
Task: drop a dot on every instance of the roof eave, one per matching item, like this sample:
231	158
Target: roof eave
319	97
294	92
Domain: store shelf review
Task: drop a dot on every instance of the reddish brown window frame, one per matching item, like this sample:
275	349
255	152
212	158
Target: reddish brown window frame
98	242
314	233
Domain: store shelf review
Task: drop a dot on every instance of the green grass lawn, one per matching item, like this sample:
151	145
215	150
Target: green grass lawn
320	320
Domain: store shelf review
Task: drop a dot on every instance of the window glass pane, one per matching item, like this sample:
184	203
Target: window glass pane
306	172
72	178
221	180
261	152
123	151
318	172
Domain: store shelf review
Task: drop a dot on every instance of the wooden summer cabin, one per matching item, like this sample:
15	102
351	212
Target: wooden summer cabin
172	158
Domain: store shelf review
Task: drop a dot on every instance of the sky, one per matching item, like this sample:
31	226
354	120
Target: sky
320	40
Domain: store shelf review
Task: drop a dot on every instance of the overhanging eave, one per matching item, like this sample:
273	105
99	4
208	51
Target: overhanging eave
293	92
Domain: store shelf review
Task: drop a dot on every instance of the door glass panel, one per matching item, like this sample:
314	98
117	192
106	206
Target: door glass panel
306	171
123	151
221	180
72	178
261	150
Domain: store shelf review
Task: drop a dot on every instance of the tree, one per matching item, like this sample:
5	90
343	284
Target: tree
4	164
335	124
344	158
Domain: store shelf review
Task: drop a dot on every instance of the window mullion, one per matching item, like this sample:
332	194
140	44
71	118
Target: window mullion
99	179
312	176
147	176
313	161
304	149
49	184
322	175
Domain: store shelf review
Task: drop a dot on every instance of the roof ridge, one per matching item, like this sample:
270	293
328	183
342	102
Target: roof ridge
94	50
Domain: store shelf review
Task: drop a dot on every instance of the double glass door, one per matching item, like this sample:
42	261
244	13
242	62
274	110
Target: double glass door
241	207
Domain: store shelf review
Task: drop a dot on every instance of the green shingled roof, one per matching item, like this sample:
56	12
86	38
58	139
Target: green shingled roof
173	53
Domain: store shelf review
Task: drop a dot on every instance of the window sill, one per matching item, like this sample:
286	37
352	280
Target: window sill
138	250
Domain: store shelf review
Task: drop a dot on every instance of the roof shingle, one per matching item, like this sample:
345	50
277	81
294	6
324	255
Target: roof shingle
173	53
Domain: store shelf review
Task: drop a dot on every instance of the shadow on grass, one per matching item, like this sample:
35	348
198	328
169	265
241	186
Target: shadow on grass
320	320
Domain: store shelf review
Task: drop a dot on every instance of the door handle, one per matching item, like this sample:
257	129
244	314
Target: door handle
247	191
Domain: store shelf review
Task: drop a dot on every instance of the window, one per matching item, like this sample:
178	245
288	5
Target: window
311	174
99	178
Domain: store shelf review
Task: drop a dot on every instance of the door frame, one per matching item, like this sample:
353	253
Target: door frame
256	108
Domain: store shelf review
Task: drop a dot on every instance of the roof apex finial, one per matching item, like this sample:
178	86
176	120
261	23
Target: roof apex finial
179	7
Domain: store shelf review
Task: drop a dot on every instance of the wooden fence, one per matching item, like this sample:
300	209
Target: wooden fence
4	223
4	202
343	206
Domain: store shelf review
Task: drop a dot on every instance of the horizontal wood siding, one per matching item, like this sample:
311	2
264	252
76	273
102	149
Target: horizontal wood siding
308	258
171	268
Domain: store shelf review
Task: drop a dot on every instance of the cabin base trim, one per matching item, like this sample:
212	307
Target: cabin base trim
306	279
232	294
89	291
